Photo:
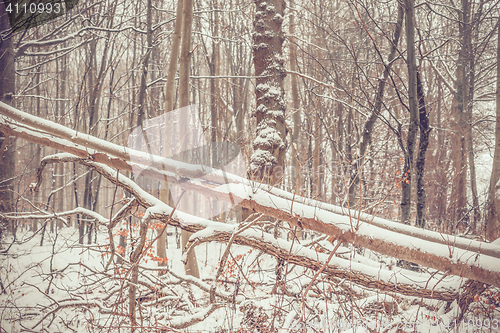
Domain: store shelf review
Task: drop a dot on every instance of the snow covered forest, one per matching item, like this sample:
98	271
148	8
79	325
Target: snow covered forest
250	166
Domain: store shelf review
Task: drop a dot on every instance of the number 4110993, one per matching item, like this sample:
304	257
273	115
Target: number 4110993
34	8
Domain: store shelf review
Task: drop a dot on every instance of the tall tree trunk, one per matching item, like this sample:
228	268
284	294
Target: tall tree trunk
379	98
296	117
141	113
267	160
406	184
317	172
492	220
458	200
191	266
441	195
337	153
7	146
296	112
89	193
470	144
422	149
172	65
37	149
267	163
214	91
61	116
351	165
165	196
141	116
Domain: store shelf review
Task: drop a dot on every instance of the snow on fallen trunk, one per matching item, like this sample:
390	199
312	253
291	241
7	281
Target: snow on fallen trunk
398	281
446	257
120	157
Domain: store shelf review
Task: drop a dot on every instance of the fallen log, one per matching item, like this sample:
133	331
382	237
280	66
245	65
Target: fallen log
447	256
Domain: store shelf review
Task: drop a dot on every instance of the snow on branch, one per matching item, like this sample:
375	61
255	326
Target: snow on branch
181	322
403	282
79	210
450	254
119	157
399	281
200	284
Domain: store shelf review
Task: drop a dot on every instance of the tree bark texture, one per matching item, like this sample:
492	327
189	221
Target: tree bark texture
450	254
7	146
191	266
267	160
161	247
406	183
444	257
492	227
422	149
457	209
172	65
470	80
296	118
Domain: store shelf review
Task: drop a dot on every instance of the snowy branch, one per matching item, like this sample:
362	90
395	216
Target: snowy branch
448	254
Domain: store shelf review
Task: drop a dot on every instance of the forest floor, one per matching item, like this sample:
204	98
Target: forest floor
64	286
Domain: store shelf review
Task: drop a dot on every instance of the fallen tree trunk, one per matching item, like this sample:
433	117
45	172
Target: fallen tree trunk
418	285
448	256
23	125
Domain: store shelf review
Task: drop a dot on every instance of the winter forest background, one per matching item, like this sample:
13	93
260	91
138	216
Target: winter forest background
251	166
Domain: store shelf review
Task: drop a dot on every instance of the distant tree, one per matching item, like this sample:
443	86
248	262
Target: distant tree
411	138
493	204
191	265
7	146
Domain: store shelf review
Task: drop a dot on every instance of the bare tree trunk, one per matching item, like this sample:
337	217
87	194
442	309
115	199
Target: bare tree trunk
62	107
161	245
317	192
7	146
350	172
191	265
37	150
269	145
141	116
337	151
172	65
185	53
441	195
296	118
492	220
406	184
470	80
296	111
88	196
422	149
370	122
214	91
458	201
134	260
471	159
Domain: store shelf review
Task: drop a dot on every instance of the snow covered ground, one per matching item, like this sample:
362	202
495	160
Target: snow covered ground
63	286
